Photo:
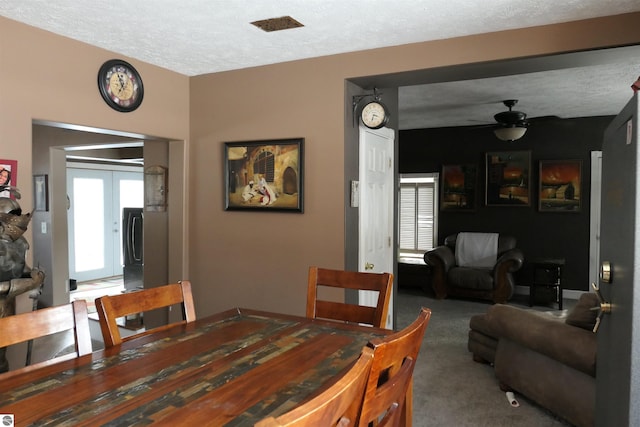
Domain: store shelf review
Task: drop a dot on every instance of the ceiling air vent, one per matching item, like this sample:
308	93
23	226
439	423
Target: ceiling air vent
277	24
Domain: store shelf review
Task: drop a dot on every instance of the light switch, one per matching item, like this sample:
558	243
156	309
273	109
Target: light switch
43	227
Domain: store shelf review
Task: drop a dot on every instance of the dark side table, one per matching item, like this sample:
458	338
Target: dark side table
547	274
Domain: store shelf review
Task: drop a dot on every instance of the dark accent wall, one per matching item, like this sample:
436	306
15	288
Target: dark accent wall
539	234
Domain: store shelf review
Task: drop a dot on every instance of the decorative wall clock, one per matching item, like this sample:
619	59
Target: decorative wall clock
374	115
120	85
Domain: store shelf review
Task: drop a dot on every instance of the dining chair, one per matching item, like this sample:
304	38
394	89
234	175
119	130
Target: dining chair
338	405
325	278
112	307
387	398
45	322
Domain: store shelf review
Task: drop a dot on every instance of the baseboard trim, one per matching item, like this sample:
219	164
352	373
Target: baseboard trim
566	293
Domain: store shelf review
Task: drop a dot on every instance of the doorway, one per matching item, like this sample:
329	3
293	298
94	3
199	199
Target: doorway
53	144
97	198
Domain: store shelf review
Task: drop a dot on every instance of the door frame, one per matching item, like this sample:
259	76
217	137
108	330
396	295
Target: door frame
53	247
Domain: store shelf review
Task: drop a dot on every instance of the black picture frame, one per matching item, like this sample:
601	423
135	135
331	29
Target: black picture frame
264	175
41	193
508	178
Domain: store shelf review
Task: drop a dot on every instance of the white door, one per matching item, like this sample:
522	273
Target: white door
375	253
96	199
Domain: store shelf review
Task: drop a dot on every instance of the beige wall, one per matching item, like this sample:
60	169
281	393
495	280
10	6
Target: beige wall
47	77
54	79
248	259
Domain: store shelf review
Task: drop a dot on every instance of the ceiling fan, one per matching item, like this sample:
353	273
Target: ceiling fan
512	125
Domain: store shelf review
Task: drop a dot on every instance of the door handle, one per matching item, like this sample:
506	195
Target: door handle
605	307
605	272
368	266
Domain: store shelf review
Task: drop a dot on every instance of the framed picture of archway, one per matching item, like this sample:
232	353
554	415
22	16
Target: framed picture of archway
560	186
264	175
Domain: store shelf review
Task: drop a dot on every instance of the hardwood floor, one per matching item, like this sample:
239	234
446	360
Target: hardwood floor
91	290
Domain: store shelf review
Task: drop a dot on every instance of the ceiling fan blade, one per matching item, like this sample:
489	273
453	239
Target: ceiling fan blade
540	118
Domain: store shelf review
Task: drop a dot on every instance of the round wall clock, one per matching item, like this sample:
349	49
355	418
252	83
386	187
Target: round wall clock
120	85
374	115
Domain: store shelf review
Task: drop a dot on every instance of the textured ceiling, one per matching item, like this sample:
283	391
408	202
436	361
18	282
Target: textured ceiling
593	90
194	37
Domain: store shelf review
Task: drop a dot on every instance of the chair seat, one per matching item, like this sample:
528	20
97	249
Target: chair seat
471	278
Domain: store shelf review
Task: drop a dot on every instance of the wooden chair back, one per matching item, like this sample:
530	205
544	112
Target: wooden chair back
48	321
391	396
112	307
322	277
393	355
337	406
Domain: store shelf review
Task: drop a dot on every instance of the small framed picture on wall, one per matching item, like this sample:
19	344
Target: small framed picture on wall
41	192
459	187
8	177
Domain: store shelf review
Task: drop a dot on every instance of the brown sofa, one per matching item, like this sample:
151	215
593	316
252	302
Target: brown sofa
549	359
495	284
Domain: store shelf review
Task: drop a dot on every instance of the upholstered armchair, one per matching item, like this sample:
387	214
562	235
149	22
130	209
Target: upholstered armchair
490	278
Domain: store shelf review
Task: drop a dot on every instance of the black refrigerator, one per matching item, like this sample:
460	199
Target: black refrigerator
132	248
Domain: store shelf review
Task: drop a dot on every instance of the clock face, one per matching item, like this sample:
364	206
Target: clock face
374	115
120	85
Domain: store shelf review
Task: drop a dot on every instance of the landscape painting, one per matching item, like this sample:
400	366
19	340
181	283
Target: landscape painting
459	187
560	186
508	178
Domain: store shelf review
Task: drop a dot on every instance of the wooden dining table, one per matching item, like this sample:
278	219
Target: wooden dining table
233	368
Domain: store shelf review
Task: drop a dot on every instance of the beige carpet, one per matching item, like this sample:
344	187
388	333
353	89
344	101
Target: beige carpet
450	389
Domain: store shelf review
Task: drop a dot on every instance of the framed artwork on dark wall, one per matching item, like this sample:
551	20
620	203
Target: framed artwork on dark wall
508	178
8	176
560	186
459	187
264	175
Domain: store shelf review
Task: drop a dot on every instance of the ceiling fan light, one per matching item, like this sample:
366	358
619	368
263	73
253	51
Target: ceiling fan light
510	133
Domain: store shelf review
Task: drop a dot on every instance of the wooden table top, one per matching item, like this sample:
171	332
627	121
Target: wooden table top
233	368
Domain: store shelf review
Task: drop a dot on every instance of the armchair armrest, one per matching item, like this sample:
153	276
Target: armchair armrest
439	260
570	345
503	283
511	259
442	256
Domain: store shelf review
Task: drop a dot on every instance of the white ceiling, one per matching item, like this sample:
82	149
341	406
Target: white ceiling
194	37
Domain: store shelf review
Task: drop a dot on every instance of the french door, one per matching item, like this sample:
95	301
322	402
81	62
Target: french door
96	200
